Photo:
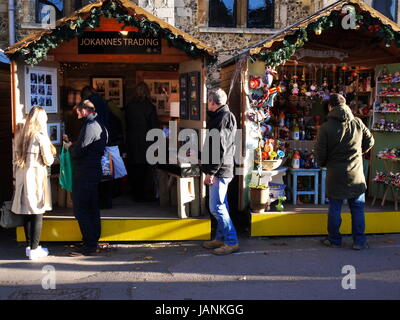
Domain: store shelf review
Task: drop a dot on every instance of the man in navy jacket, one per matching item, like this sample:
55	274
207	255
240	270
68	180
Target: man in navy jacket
86	153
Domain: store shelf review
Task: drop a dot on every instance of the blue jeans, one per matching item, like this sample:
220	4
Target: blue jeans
220	210
357	220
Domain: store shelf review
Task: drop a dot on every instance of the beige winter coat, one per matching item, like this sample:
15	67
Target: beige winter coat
32	184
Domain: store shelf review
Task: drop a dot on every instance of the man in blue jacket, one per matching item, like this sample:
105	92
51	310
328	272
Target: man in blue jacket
86	153
219	170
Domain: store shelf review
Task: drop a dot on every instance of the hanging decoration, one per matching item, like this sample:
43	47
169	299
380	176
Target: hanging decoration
293	42
38	50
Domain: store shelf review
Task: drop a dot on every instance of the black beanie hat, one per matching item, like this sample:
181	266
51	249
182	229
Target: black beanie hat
336	100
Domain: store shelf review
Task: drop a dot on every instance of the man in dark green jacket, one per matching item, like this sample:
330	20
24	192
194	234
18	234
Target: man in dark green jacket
341	142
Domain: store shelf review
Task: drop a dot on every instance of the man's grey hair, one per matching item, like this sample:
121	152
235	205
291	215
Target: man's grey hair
218	96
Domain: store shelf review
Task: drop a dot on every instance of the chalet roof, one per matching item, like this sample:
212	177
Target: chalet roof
279	37
132	9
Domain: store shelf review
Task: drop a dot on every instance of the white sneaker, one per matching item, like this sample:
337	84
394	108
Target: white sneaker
37	253
28	250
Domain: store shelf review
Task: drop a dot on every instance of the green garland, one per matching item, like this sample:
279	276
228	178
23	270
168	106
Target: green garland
38	50
292	43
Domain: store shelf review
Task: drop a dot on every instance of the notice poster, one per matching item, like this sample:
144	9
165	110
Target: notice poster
41	88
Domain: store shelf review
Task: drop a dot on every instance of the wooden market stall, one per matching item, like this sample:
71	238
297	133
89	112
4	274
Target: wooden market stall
342	48
5	129
112	45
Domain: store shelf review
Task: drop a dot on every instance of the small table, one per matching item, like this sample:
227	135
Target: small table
187	194
303	173
323	185
390	166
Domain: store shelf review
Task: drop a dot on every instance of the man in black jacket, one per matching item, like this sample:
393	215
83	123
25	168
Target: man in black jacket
86	154
218	167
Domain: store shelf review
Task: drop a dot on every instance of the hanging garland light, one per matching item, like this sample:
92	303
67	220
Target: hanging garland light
38	50
364	22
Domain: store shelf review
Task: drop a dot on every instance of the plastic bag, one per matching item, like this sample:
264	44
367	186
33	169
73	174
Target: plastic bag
65	169
107	165
117	162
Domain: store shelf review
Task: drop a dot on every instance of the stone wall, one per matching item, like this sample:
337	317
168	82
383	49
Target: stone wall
190	16
3	25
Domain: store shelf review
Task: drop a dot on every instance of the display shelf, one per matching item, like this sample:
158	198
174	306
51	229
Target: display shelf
380	123
393	112
385	82
385	131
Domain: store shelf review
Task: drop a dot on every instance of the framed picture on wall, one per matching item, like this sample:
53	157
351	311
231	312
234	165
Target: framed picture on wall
54	131
41	88
110	89
161	91
194	95
183	96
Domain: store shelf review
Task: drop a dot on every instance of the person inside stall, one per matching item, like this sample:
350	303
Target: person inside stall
116	144
141	116
72	125
89	93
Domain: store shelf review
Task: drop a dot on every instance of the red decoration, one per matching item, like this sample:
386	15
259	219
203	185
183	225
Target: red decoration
377	27
255	82
371	28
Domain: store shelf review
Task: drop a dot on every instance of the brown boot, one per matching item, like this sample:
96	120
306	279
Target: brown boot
212	244
226	250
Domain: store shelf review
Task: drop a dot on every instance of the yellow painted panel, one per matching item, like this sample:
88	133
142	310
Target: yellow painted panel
127	230
316	223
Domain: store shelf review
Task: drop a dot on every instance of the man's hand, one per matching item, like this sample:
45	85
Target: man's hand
209	179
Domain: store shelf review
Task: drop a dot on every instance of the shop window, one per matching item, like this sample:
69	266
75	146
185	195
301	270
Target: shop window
241	13
386	7
222	13
58	5
260	13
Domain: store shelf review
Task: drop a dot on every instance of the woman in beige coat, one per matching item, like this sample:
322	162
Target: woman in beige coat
34	152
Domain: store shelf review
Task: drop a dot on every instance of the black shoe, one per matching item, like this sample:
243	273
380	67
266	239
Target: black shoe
360	247
84	251
328	243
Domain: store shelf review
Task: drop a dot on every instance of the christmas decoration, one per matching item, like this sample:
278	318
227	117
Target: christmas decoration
292	42
37	51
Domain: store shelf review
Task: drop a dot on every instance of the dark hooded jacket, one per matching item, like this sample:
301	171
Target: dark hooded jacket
341	142
220	164
141	116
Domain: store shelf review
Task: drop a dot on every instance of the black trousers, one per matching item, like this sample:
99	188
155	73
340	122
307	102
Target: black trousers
33	227
85	198
141	179
106	193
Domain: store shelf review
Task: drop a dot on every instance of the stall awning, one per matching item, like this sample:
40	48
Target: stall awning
3	58
34	47
295	36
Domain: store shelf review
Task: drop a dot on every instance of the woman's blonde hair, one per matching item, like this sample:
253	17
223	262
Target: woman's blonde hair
34	124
